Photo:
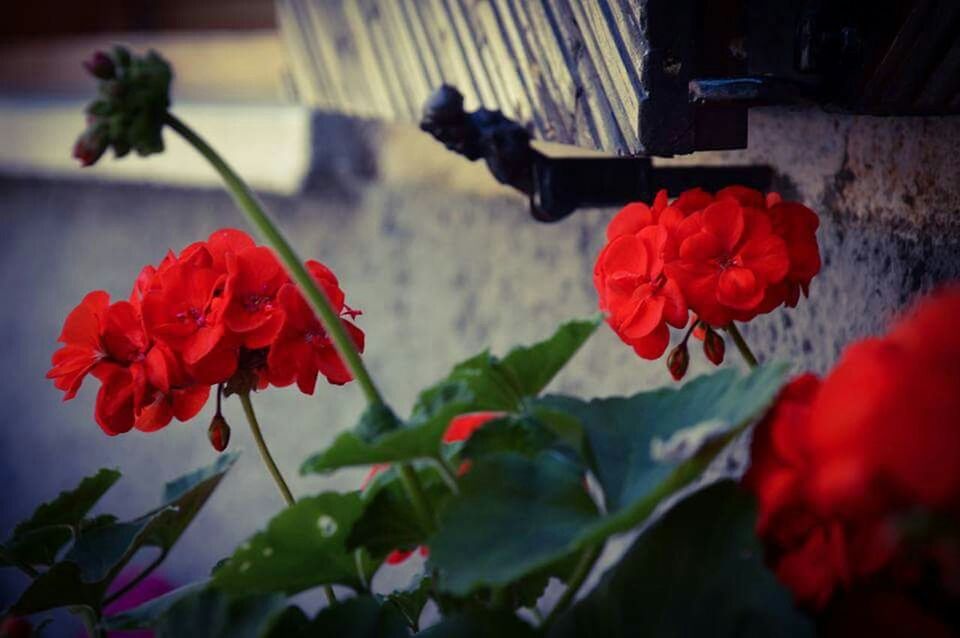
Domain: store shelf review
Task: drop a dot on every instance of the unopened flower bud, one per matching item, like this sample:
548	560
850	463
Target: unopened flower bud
678	361
714	347
219	433
91	145
99	65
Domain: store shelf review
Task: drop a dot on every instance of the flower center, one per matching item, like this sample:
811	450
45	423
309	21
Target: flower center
256	303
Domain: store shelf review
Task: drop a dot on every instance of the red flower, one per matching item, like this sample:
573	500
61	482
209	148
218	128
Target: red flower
728	258
302	349
252	311
640	300
83	347
837	464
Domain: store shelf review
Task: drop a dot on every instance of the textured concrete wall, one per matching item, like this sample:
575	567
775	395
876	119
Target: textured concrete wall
443	262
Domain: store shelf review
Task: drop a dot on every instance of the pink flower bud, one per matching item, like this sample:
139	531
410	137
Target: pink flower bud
90	146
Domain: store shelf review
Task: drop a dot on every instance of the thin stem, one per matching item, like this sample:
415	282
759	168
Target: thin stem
414	490
136	581
580	573
741	345
257	216
264	450
447	473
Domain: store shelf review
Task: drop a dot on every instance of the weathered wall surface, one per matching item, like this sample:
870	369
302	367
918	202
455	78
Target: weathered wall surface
443	262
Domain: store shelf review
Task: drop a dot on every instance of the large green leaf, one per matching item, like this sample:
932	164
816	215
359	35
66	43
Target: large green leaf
482	382
626	434
101	551
411	601
303	546
37	540
200	610
533	367
698	571
514	515
360	617
388	521
481	624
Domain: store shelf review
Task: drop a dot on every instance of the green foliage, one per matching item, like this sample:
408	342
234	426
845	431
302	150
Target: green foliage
101	550
37	540
515	515
482	382
302	547
480	625
698	571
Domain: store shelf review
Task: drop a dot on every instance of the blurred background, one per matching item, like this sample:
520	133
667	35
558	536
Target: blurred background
441	258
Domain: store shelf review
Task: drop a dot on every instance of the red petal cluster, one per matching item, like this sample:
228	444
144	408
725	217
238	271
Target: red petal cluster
218	308
726	257
840	465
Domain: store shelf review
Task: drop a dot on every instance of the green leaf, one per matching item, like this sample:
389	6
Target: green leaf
625	434
514	515
101	551
533	367
388	521
303	546
198	609
412	600
149	613
37	540
512	433
482	382
698	571
480	624
360	617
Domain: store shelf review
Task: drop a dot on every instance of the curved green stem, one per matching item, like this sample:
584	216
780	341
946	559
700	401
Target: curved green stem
414	490
741	345
264	450
258	217
580	573
447	473
146	571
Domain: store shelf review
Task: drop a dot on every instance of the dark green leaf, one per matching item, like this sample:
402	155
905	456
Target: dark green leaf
514	515
101	550
412	600
481	624
302	547
482	382
360	617
533	367
199	610
698	571
388	521
37	540
59	586
624	433
149	613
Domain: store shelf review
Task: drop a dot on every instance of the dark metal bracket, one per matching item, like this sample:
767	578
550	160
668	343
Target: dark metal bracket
557	186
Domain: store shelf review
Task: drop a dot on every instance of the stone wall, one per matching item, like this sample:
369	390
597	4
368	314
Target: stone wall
443	262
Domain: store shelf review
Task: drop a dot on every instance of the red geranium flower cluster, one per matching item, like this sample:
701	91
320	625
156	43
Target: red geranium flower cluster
841	466
222	309
726	257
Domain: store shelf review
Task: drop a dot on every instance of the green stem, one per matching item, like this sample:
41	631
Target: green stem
447	473
420	505
264	450
741	345
580	573
258	217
